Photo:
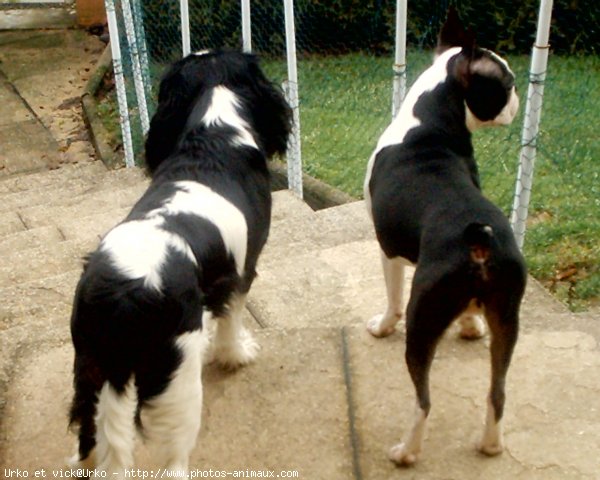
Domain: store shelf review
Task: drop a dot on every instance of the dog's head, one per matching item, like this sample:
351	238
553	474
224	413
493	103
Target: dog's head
218	87
488	81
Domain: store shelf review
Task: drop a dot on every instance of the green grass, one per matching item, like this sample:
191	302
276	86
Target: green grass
346	104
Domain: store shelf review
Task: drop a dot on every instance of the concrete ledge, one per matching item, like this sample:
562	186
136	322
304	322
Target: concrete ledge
317	194
98	133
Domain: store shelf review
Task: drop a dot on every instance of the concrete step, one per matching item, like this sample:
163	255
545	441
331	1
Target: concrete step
26	239
53	259
60	192
342	285
33	301
92	226
63	175
312	230
103	201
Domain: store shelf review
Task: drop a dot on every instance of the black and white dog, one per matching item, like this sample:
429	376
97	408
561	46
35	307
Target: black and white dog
188	248
422	191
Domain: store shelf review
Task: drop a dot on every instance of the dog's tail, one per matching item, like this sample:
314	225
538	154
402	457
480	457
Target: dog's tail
107	424
87	385
479	238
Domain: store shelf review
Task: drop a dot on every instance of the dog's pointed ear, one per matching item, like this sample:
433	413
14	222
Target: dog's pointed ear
452	32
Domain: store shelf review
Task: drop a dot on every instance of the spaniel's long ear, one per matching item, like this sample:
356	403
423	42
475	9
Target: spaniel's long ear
272	114
175	96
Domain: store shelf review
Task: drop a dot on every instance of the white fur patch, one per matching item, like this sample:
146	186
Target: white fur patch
138	249
405	119
492	440
193	198
427	81
234	345
172	419
223	111
394	273
115	428
407	452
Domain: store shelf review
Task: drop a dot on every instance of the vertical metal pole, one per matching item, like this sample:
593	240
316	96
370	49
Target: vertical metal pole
185	27
246	26
399	86
531	124
140	33
294	157
138	80
115	48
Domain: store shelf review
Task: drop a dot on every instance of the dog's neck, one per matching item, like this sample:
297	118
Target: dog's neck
434	110
219	108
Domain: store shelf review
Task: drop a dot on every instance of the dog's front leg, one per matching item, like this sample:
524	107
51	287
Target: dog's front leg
383	325
234	345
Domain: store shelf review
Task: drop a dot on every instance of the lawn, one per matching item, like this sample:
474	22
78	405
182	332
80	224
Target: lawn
346	104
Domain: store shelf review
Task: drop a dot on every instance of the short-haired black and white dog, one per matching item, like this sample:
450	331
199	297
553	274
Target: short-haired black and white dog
188	248
422	190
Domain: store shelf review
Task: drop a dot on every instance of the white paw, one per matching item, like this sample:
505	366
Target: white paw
379	328
490	448
241	352
471	327
401	455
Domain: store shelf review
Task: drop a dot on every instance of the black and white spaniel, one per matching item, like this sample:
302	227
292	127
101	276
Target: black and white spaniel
187	249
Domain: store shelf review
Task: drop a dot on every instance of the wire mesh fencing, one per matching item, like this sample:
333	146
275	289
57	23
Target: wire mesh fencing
345	61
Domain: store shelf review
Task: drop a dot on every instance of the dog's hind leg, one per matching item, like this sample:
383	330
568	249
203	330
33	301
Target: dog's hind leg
234	345
115	428
383	325
430	310
171	419
503	321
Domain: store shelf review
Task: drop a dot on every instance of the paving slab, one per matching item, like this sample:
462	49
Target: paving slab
550	430
263	416
50	68
20	155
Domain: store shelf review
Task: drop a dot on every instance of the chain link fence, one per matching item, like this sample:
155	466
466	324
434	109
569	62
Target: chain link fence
345	62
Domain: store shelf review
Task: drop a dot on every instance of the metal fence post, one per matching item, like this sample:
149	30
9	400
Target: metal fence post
140	34
138	79
246	26
185	27
115	47
294	157
531	124
399	86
